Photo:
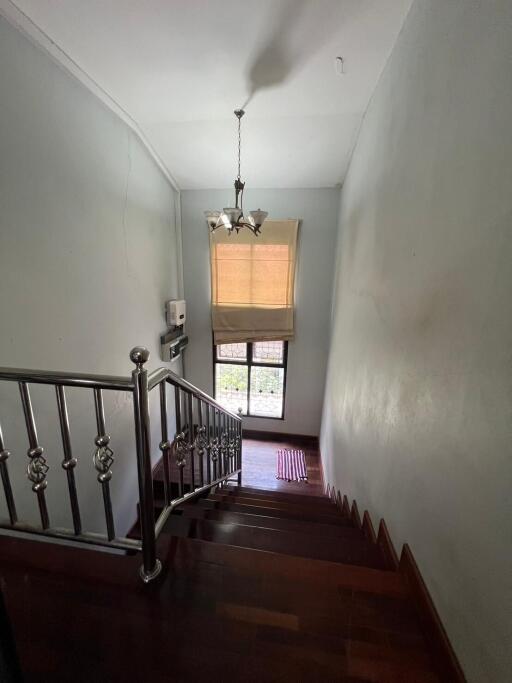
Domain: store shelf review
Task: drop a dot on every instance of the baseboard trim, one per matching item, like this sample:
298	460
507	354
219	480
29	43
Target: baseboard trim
387	547
367	527
354	514
444	657
345	507
433	628
304	439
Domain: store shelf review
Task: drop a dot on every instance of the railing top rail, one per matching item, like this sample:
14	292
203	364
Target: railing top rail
163	374
70	379
91	381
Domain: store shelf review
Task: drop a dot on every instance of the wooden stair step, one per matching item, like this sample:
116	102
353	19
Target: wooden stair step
278	504
348	551
272	511
290	604
277	494
314	528
324	506
186	553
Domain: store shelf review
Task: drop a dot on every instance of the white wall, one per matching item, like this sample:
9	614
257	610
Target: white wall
87	258
417	420
307	353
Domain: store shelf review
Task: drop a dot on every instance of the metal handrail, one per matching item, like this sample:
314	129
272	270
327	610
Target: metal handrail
66	379
204	428
161	374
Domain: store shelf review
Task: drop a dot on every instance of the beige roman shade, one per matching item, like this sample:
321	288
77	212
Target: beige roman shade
253	282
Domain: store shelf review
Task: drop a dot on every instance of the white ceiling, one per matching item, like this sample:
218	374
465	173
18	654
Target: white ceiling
180	67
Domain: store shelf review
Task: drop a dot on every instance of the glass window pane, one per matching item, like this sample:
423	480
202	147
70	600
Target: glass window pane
267	386
268	352
231	386
232	351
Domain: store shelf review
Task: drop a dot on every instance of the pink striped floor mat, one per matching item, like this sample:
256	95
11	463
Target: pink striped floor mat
291	465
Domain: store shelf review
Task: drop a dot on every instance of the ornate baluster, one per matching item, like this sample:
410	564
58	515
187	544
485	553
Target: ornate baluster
215	444
37	468
208	440
69	462
4	472
239	447
180	449
190	412
231	446
177	408
165	444
223	446
201	441
103	460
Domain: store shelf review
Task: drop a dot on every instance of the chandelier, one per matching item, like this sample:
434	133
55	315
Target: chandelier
232	218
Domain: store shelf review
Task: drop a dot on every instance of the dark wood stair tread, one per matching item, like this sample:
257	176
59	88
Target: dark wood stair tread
324	509
278	494
271	511
325	506
187	553
219	612
348	551
333	531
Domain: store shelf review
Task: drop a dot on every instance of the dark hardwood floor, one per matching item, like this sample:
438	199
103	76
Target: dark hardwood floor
259	467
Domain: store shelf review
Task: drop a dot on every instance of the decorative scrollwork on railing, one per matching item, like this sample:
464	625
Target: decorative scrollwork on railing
165	446
232	448
180	448
103	458
37	469
224	440
201	440
214	449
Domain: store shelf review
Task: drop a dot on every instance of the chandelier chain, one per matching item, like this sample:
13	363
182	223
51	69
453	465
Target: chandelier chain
239	145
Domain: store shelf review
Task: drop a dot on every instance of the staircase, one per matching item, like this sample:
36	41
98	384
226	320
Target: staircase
257	586
242	584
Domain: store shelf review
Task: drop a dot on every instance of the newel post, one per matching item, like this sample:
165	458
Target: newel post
151	567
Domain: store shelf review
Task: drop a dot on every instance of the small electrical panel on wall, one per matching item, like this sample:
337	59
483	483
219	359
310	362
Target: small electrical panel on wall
176	312
174	341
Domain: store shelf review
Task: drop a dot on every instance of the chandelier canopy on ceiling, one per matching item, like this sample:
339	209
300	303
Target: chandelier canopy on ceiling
232	218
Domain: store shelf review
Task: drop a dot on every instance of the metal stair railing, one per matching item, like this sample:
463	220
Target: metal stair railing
206	435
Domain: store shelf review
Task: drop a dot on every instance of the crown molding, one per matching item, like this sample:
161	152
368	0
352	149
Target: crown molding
23	23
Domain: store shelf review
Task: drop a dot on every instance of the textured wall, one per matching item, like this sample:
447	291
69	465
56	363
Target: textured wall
307	353
417	422
87	258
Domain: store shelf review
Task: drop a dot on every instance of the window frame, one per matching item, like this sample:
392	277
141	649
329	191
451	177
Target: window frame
249	363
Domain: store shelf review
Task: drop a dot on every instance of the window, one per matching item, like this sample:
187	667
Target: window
252	377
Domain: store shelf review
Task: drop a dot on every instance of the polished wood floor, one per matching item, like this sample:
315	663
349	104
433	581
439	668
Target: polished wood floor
268	582
260	468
